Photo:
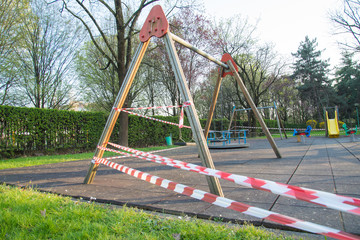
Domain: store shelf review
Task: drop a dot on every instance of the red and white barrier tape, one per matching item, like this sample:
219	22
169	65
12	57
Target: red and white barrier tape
156	107
288	129
151	118
124	156
185	104
330	200
230	204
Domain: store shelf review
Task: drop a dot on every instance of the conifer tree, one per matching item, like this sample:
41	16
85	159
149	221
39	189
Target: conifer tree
312	75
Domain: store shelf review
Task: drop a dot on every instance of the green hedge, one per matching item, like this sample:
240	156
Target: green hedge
32	130
27	130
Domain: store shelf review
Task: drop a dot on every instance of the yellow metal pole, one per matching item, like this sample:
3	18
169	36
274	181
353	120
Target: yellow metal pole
119	102
214	184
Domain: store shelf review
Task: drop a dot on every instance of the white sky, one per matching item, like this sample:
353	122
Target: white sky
285	23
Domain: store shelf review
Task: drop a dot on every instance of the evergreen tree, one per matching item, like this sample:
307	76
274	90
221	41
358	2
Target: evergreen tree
348	84
311	73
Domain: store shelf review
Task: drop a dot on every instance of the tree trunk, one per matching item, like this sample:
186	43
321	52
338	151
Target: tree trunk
121	71
123	129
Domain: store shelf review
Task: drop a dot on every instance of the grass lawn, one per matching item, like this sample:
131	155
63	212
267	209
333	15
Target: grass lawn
40	160
29	214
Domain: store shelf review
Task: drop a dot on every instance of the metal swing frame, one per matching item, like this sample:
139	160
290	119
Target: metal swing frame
157	25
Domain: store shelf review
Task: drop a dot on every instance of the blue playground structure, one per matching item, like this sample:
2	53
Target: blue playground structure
300	135
227	139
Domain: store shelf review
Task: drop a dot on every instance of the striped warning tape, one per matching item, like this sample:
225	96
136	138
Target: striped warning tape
156	107
185	104
291	129
330	200
155	151
230	204
288	129
151	118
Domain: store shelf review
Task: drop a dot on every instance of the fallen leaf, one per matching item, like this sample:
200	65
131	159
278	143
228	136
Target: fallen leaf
43	213
177	236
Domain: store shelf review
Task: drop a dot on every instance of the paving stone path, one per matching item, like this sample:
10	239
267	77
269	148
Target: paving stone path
331	165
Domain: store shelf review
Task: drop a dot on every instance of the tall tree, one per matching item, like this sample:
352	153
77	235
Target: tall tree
234	36
348	20
44	58
124	15
259	68
99	86
348	84
197	30
287	98
312	74
11	12
193	27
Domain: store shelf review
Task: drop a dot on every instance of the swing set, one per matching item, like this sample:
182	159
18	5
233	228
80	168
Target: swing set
157	25
235	110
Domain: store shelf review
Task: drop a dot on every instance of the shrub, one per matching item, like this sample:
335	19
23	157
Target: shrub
322	125
312	123
340	123
31	130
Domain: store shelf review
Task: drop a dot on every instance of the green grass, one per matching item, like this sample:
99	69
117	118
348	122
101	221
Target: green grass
28	214
40	160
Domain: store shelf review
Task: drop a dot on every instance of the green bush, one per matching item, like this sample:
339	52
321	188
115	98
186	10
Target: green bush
340	123
32	130
29	130
312	123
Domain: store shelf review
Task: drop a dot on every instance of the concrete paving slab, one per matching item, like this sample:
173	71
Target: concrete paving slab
311	213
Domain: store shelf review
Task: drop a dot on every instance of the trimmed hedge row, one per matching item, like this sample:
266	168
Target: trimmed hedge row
32	130
27	130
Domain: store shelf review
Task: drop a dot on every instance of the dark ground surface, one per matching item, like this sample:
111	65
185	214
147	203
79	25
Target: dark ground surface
331	165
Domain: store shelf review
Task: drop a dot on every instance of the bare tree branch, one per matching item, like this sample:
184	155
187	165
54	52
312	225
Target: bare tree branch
349	20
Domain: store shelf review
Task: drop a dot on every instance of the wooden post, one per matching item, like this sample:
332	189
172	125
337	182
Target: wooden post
233	114
282	125
255	110
325	121
119	102
204	152
278	120
213	104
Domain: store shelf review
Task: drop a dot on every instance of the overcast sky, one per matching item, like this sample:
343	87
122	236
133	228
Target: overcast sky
286	22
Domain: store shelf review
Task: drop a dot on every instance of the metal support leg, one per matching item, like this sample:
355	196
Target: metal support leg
200	140
254	109
119	102
213	104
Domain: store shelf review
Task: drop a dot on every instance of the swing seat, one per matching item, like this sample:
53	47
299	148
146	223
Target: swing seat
218	140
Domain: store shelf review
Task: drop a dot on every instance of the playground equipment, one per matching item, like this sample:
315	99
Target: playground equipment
156	25
280	126
300	135
332	126
228	138
232	70
351	132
